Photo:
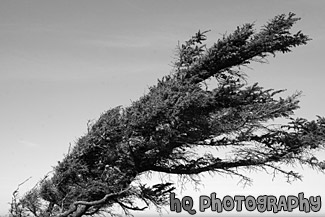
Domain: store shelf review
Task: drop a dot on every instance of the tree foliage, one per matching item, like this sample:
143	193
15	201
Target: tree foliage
165	128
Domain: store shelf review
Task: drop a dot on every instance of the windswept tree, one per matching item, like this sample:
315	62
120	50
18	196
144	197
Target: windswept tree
169	129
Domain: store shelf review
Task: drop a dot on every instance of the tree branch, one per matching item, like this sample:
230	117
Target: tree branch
86	204
131	208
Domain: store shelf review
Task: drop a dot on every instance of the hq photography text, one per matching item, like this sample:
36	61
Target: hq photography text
263	203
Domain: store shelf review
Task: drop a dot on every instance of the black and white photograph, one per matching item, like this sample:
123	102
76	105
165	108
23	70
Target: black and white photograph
161	108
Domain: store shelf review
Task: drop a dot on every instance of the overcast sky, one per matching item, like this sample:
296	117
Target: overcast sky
63	63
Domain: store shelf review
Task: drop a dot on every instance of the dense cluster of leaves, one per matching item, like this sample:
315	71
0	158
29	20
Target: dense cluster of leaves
159	131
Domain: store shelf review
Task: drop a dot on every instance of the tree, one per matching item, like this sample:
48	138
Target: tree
163	130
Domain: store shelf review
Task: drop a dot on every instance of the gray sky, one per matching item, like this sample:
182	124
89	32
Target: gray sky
63	63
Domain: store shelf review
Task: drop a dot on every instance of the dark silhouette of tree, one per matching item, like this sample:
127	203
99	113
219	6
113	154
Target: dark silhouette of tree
164	130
